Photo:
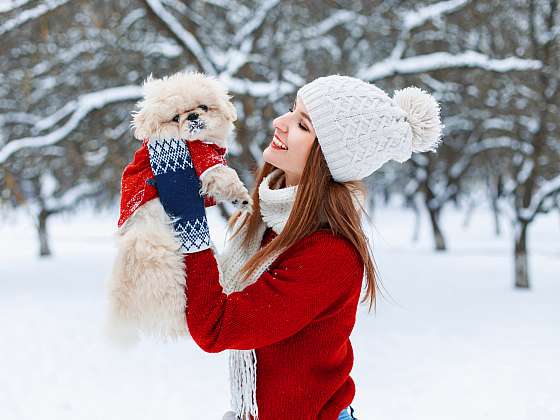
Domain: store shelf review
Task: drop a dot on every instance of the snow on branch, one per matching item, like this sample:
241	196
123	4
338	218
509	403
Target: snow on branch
272	89
53	119
18	118
184	36
547	189
339	17
255	22
474	149
444	60
30	14
416	18
81	108
9	5
71	197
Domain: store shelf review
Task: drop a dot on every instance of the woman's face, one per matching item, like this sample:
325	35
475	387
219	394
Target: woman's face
295	131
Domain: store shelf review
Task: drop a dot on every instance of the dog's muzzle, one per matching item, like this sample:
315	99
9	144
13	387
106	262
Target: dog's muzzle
195	125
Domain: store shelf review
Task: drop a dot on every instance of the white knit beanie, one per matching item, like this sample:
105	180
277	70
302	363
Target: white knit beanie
359	127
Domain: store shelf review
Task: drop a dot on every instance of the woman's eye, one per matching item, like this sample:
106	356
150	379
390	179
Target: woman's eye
176	118
300	124
204	107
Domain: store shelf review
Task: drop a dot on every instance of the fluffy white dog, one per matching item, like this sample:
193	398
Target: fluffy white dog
146	288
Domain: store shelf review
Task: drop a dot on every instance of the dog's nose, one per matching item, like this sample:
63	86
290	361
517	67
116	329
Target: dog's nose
193	116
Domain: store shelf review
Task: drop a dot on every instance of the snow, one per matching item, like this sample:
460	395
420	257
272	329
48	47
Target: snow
338	17
9	5
184	36
443	60
81	107
454	340
272	89
546	189
248	29
29	14
416	18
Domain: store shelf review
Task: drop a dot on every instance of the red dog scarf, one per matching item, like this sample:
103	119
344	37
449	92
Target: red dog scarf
136	183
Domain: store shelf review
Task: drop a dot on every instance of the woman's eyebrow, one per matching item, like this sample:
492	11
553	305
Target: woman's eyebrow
303	113
306	117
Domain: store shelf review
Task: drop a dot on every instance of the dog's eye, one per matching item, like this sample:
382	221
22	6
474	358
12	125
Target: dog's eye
204	107
176	118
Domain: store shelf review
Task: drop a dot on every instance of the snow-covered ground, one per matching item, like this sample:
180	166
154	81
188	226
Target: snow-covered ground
453	341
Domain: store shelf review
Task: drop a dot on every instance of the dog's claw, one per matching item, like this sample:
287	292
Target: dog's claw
245	205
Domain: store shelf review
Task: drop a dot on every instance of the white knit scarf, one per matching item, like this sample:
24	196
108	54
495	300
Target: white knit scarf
275	206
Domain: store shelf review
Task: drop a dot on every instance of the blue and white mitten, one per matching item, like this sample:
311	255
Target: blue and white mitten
178	187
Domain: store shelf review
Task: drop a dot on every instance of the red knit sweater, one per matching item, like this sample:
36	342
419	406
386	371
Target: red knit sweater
297	316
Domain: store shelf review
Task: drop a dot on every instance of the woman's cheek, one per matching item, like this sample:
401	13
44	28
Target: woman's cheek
297	160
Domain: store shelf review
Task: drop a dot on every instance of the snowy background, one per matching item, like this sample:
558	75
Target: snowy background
452	339
459	335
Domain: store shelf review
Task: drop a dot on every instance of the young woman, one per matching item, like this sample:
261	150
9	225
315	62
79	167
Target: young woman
284	292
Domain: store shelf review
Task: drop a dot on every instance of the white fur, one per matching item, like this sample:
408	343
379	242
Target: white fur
147	283
183	93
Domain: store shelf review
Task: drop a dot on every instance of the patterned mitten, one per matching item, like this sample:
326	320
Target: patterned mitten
178	187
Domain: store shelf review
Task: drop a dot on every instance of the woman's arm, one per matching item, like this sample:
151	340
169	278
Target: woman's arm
318	272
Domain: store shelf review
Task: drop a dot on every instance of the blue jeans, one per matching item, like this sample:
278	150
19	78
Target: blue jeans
345	415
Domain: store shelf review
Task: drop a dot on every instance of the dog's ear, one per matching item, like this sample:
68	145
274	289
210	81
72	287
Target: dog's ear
144	124
230	111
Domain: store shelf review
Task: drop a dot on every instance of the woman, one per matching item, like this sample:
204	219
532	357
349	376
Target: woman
284	292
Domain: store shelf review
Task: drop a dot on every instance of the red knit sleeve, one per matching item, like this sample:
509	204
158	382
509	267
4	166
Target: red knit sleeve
206	155
309	279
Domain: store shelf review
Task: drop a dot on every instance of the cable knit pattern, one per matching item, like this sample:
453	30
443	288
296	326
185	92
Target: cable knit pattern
294	316
276	203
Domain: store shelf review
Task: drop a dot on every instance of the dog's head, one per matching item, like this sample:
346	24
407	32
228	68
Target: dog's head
188	105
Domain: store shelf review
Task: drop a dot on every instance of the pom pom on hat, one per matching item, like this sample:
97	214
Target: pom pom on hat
422	113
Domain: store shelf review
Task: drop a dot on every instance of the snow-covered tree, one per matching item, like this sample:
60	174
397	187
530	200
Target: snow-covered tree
67	90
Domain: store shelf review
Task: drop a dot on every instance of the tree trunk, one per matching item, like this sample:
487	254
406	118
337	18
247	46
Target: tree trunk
496	213
468	214
520	256
438	235
495	190
417	220
44	248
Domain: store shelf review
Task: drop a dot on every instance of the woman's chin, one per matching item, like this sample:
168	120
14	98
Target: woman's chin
269	155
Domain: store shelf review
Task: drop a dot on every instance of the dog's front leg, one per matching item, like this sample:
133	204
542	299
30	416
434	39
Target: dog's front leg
223	183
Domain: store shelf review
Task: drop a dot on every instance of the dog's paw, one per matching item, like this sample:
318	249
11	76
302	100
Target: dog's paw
244	203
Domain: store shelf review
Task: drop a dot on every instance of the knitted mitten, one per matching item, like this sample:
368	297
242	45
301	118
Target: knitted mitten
178	187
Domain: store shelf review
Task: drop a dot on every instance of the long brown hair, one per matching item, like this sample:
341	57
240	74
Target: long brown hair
320	203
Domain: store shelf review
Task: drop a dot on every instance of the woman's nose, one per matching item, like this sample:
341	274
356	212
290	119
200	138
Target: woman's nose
279	124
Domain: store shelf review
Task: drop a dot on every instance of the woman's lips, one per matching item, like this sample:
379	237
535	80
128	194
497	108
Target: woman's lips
275	146
272	145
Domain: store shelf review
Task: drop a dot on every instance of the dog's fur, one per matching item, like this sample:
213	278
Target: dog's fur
147	283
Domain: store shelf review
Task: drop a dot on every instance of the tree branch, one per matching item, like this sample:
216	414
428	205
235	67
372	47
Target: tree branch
184	36
82	107
442	61
30	14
